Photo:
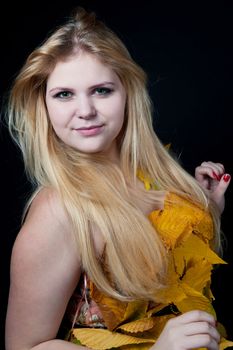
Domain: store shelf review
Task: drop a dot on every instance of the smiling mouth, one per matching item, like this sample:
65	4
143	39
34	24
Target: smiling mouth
90	130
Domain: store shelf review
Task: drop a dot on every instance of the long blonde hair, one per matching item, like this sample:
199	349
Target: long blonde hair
94	191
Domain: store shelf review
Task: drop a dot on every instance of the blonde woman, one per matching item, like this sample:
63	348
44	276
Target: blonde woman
118	241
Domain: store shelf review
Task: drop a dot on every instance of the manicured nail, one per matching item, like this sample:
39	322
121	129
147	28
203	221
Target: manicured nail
226	177
216	176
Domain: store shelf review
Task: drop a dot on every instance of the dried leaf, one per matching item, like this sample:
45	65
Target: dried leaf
136	310
181	292
155	309
101	339
224	344
113	310
195	303
141	325
195	247
179	219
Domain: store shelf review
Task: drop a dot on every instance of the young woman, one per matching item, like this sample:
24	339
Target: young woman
118	241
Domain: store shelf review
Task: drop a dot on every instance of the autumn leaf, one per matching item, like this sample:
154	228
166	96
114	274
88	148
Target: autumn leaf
141	325
101	339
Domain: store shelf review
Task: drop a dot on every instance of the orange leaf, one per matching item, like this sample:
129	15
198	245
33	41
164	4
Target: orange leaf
113	310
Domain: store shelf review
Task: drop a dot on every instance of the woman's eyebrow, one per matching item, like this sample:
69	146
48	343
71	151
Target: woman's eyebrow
60	88
101	84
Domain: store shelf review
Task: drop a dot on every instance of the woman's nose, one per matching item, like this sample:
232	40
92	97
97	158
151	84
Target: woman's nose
85	108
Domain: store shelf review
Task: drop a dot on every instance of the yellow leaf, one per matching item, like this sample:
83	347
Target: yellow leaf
155	309
172	294
195	303
101	339
198	275
195	247
172	223
135	310
138	326
224	344
148	182
186	293
180	219
174	291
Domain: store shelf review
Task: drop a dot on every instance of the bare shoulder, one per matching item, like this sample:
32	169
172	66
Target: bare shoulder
47	204
46	230
45	269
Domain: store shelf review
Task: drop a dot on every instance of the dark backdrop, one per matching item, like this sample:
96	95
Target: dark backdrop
187	51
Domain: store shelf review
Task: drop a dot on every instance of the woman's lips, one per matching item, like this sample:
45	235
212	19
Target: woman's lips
91	130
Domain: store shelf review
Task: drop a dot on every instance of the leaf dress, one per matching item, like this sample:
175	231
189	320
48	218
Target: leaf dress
100	322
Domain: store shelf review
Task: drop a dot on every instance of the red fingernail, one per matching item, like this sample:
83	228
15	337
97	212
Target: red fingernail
226	177
216	176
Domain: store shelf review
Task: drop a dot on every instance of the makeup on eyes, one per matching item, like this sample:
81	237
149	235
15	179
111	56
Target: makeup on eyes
103	85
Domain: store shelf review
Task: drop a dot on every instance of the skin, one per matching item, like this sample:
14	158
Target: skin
214	181
192	330
86	110
45	265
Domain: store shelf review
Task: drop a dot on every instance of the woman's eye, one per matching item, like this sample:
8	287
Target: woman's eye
63	95
102	91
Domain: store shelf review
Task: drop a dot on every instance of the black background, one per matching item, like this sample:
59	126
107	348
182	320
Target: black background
187	51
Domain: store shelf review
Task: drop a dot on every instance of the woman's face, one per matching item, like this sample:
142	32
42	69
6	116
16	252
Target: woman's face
86	104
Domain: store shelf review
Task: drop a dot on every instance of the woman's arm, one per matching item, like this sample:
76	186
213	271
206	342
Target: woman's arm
45	269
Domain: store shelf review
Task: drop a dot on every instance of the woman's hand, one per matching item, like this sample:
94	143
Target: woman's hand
192	330
212	177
